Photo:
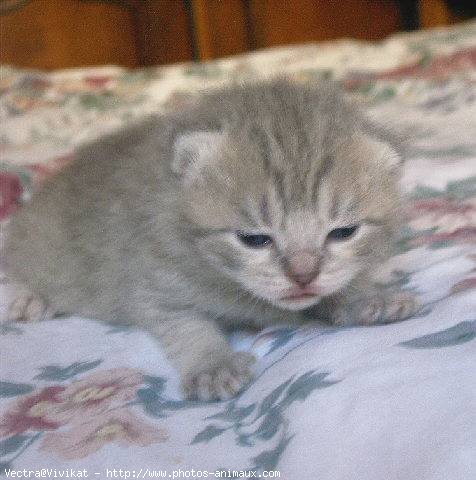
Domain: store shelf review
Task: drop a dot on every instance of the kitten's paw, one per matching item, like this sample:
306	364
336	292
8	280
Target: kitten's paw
28	308
379	310
399	307
220	379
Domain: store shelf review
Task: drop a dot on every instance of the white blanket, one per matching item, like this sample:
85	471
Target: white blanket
384	402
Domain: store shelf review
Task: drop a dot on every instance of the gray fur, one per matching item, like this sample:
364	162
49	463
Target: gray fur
141	227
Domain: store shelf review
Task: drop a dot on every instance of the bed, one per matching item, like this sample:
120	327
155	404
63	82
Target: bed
81	398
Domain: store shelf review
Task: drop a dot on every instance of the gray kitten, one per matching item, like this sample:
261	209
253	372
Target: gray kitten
261	204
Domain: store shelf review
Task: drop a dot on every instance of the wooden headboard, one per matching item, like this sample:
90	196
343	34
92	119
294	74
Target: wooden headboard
52	34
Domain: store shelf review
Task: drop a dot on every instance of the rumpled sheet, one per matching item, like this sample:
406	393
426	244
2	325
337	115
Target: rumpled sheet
384	402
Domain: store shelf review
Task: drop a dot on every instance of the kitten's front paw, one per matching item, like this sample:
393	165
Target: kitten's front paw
379	310
400	306
221	378
28	307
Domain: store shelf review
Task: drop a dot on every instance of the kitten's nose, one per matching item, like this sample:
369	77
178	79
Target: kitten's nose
301	268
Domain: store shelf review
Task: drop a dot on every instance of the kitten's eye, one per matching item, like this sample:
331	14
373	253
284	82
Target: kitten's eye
254	241
342	233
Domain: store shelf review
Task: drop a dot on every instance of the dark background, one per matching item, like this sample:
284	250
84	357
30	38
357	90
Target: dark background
51	34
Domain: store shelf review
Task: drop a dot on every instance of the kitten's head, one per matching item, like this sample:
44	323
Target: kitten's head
292	197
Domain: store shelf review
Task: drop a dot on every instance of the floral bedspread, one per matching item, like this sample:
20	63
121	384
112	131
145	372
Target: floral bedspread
78	397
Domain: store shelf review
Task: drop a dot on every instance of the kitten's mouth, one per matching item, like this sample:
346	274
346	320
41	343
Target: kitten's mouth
298	298
300	295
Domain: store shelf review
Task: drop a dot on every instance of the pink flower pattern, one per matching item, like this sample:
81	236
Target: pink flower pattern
10	193
95	409
32	412
96	393
444	219
118	426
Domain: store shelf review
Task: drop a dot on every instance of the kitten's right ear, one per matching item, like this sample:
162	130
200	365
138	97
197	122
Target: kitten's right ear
191	151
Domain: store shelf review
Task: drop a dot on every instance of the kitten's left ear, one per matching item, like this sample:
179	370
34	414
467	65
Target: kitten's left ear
383	154
191	151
